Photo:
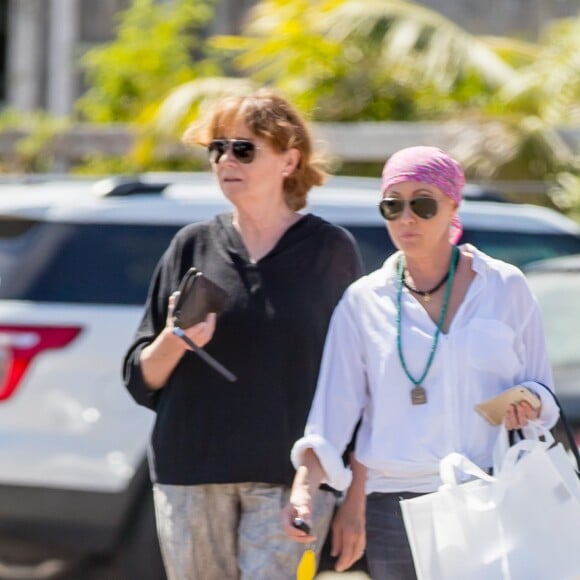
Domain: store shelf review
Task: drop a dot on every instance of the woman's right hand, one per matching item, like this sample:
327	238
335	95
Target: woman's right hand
159	359
299	506
308	477
306	482
200	333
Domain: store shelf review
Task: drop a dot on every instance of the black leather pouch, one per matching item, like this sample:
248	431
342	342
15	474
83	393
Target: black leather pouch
198	296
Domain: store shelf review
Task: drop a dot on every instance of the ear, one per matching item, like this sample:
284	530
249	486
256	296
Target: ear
291	161
454	205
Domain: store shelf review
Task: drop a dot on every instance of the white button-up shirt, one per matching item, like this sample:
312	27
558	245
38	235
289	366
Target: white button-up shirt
495	341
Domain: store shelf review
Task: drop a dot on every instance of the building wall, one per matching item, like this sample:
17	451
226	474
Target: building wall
522	18
45	38
97	19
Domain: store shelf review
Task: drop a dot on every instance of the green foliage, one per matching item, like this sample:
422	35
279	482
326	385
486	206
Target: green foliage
379	60
282	45
34	135
100	164
346	60
549	86
151	54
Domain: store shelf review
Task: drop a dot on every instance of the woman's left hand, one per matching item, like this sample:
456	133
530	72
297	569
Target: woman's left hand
348	534
518	415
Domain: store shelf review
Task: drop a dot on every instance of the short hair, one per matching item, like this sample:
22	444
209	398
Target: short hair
270	116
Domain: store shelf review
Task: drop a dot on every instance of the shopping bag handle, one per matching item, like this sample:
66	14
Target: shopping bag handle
505	441
567	428
454	462
505	466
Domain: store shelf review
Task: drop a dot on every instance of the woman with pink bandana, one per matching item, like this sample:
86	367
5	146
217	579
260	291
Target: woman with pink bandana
412	348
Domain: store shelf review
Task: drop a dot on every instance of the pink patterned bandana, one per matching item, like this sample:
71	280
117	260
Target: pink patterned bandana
427	165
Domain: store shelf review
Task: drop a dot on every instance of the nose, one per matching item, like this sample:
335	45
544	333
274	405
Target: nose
228	155
407	214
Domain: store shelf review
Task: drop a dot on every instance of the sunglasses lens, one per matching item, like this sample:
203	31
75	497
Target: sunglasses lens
216	149
391	208
244	151
424	207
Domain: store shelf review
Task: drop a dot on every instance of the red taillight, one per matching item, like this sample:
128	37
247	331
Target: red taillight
20	344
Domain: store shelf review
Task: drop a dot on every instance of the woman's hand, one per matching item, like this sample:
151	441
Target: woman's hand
200	333
348	526
518	415
299	506
308	477
159	359
348	534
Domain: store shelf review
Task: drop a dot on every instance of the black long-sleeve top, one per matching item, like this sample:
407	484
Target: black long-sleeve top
271	336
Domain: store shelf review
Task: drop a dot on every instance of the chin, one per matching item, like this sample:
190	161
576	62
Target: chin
232	190
410	245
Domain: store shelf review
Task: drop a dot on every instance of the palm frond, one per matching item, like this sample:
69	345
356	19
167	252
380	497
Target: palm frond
552	81
187	100
518	53
414	36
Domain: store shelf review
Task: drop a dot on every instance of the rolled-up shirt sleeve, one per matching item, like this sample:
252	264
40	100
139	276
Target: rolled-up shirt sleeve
537	365
340	397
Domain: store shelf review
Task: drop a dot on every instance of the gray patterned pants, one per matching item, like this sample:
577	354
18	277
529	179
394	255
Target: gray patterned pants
231	531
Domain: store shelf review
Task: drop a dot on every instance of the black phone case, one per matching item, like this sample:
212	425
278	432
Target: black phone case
198	296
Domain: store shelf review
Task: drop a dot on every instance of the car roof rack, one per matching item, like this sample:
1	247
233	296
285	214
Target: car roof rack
122	185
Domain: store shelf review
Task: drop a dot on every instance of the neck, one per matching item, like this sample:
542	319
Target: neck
424	272
257	223
261	230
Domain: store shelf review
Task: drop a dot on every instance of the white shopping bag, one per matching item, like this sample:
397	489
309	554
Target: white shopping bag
521	524
562	461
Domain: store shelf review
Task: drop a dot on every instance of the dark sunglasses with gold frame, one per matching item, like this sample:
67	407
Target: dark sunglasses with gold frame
243	150
392	208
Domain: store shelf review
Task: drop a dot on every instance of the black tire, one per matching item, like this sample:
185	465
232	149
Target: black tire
139	555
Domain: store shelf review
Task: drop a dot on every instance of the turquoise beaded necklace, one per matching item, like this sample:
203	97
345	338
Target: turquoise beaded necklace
418	393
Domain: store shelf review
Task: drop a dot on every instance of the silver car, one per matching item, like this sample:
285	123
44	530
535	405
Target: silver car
76	258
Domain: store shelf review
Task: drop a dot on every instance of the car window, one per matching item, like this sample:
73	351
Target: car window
514	247
374	244
88	263
557	294
79	263
91	263
521	248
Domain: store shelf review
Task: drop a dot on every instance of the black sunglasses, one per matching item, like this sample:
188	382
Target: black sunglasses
392	208
243	149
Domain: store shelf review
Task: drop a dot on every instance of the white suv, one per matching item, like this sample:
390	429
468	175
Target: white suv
75	262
